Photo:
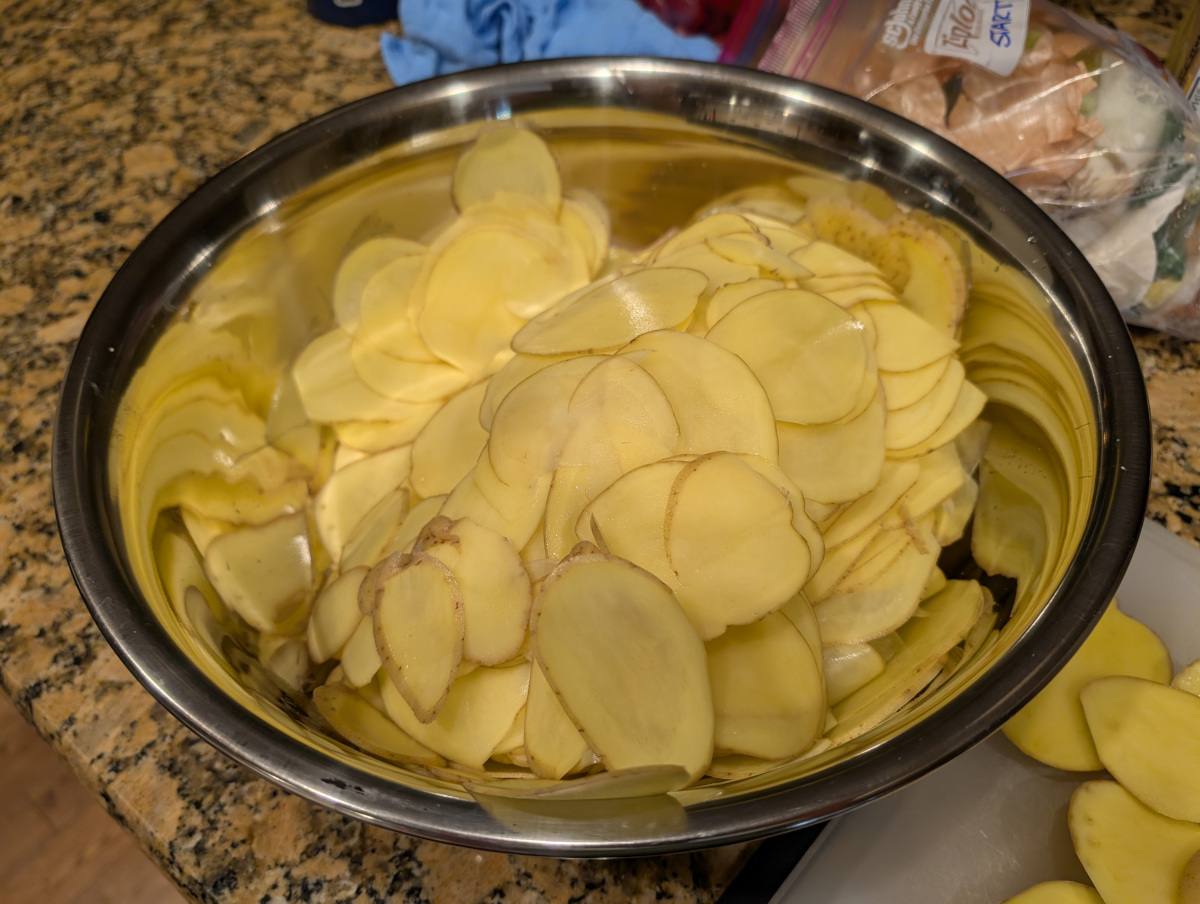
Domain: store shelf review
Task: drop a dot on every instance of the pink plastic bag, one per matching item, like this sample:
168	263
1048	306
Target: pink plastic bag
1080	117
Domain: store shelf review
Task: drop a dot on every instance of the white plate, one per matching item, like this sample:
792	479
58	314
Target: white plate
992	822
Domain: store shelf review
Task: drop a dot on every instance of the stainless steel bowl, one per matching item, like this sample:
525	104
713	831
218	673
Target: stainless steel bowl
594	99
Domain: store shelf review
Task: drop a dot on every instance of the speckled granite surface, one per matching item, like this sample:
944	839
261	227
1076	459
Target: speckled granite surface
110	113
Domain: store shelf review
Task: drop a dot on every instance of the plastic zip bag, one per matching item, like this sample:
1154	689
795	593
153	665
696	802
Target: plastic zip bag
1078	116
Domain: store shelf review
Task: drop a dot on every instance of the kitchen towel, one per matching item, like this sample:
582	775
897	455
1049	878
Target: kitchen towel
443	36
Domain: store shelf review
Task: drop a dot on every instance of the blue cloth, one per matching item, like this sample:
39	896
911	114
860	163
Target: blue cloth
442	36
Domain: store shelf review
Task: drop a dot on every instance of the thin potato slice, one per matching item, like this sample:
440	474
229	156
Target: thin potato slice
376	531
402	380
904	341
744	250
848	667
507	160
729	296
968	405
385	311
478	712
718	403
1132	854
711	226
419	626
615	784
513	512
908	426
767	691
717	270
447	448
368	729
1052	727
937	287
1057	892
496	595
335	615
895	479
809	355
1148	738
360	659
264	573
852	227
836	462
614	313
629	670
731	543
948	618
552	742
907	387
378	436
357	269
351	492
514	372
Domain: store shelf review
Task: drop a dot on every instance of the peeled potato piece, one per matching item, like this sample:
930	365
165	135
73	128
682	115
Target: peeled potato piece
507	160
1052	727
627	667
706	227
264	573
1132	854
614	313
809	355
368	729
906	342
851	226
1148	738
552	742
403	380
496	596
836	462
449	445
768	697
895	479
907	387
360	658
385	311
507	378
1188	678
478	712
511	511
376	531
731	543
718	403
335	615
908	426
936	287
744	250
728	297
1060	892
419	625
968	405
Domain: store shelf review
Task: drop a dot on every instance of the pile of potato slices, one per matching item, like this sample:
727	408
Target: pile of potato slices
538	508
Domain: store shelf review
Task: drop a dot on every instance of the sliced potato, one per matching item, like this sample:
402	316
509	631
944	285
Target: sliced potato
1148	737
1132	854
449	445
627	667
419	625
1052	727
1188	678
335	615
848	667
552	742
368	729
507	159
351	492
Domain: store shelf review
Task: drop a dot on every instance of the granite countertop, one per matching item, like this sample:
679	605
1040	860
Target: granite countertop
111	112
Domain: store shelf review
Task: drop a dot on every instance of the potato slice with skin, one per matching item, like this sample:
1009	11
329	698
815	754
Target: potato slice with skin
514	512
767	692
1132	854
360	657
838	561
1148	737
848	667
627	667
419	625
350	493
496	596
507	159
1189	883
627	518
836	462
937	287
357	269
904	341
368	729
614	313
809	355
718	403
1052	727
849	225
1057	892
729	296
730	541
552	742
264	573
478	713
335	615
447	448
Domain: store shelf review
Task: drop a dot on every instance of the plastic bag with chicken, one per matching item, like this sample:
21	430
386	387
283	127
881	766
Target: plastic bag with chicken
1080	117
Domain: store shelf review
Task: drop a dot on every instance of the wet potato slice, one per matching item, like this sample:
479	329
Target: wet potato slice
507	159
368	729
629	670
